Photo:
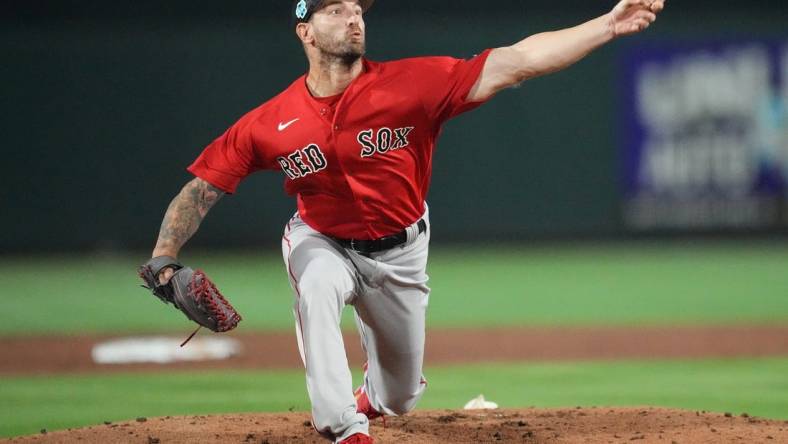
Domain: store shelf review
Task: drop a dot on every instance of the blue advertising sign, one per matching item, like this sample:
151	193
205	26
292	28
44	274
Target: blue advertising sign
704	135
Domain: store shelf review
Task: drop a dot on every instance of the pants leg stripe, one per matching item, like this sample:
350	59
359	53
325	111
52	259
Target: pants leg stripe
298	300
295	286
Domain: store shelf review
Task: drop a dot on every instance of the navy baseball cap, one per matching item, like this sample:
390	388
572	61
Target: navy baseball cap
303	9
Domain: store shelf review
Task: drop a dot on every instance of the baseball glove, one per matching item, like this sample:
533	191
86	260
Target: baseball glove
190	292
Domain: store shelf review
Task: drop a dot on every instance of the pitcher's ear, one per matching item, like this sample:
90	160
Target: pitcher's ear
304	32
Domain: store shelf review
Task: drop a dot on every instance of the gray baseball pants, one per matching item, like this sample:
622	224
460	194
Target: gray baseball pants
389	293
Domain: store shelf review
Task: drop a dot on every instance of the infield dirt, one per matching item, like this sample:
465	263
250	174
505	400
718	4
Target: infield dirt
580	425
72	354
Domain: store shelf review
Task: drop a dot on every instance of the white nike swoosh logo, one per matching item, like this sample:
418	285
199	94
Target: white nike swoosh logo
283	126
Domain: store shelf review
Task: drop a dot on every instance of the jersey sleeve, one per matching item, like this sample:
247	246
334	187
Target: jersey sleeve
445	82
230	158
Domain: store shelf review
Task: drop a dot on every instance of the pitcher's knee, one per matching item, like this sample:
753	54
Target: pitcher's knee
401	406
402	403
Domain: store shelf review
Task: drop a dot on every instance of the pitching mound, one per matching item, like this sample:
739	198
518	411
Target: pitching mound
581	425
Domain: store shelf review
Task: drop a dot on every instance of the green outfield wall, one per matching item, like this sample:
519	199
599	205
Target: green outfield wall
104	105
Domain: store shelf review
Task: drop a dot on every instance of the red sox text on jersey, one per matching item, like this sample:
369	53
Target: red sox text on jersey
306	161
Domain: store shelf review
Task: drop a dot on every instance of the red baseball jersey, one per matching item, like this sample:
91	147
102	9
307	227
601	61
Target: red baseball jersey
360	162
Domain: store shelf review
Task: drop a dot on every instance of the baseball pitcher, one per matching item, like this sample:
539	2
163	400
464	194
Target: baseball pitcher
354	141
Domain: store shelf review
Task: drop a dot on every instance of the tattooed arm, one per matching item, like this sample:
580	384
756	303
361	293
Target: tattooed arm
182	219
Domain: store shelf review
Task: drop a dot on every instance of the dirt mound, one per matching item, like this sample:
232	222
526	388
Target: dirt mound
580	425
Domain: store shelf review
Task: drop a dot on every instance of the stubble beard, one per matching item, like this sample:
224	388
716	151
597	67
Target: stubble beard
342	52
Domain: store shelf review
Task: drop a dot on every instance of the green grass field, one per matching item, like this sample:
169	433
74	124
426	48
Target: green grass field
674	284
756	386
633	284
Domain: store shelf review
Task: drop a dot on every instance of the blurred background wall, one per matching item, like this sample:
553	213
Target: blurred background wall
103	106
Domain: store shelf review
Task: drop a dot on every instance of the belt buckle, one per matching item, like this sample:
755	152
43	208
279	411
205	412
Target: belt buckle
358	250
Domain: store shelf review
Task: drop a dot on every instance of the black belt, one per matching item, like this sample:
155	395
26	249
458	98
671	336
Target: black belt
376	245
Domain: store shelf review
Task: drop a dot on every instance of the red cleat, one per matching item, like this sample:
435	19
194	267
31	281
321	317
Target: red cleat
362	401
357	438
363	405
